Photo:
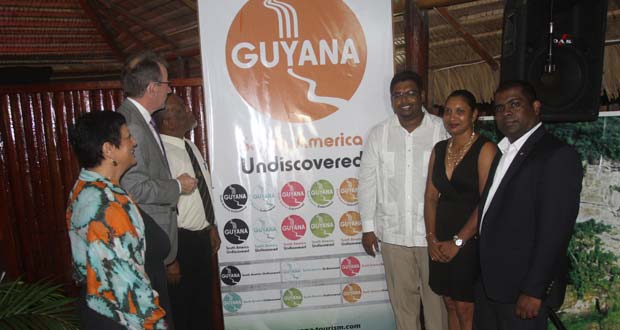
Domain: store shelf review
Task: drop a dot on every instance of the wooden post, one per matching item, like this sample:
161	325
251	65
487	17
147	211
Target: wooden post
416	43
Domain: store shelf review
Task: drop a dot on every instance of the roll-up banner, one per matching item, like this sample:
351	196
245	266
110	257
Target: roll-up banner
291	88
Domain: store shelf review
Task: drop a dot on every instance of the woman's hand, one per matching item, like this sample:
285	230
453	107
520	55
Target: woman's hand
433	249
448	250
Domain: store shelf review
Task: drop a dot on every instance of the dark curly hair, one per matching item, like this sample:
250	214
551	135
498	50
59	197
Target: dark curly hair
90	131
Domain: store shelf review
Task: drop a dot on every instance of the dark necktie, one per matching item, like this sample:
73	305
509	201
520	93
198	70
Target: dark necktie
202	185
161	145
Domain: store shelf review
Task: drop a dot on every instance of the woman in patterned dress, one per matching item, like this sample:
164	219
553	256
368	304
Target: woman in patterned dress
107	231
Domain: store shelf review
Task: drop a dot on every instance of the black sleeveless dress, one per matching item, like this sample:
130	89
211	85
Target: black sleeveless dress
458	198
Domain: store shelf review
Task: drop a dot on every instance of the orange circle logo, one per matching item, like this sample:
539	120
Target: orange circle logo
295	60
348	191
352	292
350	223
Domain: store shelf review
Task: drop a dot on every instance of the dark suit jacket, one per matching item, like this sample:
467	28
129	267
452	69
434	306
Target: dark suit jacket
149	182
528	225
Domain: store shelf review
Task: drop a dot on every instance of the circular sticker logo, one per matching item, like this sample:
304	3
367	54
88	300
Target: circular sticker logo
292	270
350	223
348	191
234	198
293	227
230	275
322	225
263	200
296	61
264	230
350	266
292	297
293	195
322	193
232	302
236	231
352	292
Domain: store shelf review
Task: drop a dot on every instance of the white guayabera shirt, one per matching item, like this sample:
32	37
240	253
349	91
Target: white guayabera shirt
392	179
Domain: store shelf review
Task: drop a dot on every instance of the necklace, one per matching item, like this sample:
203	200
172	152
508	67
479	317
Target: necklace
455	157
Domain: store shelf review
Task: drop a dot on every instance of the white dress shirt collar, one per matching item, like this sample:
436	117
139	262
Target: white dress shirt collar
145	113
173	140
505	144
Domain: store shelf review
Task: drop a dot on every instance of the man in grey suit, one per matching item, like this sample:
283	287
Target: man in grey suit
146	86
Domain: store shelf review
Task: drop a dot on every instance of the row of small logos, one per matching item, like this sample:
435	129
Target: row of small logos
300	270
293	228
296	297
291	195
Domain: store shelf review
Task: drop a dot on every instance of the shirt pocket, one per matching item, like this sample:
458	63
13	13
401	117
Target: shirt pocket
426	158
387	164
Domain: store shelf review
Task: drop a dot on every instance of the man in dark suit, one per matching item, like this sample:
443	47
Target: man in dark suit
529	210
150	184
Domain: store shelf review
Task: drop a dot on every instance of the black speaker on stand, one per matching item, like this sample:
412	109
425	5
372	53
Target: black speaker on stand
558	46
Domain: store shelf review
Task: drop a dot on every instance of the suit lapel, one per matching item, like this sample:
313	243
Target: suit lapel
138	119
487	186
512	170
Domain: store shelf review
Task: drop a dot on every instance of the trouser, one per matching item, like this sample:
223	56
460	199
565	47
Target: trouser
406	273
490	315
190	298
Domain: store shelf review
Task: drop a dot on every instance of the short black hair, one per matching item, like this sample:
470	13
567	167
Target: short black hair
140	70
160	115
90	131
526	88
466	95
406	76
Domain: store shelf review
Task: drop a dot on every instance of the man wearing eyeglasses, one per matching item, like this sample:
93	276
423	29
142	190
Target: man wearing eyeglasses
529	205
392	181
149	182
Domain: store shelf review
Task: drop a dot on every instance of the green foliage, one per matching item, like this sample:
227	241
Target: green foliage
593	269
41	305
489	130
591	139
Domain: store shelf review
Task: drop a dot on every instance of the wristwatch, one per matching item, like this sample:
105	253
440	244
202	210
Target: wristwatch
458	241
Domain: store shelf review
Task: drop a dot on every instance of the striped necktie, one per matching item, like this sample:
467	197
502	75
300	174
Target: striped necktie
202	185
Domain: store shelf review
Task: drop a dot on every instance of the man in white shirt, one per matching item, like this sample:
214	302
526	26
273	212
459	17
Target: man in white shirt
392	181
190	287
529	205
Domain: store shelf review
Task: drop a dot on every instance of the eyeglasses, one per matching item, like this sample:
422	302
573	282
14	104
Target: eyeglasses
164	82
410	93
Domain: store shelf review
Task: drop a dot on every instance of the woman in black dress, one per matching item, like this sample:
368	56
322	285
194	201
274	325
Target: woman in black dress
458	171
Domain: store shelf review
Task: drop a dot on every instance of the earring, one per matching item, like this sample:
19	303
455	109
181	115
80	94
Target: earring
114	163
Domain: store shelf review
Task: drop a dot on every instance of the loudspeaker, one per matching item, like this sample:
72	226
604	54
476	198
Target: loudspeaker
572	54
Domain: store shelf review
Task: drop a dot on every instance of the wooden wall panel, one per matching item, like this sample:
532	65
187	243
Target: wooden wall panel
38	170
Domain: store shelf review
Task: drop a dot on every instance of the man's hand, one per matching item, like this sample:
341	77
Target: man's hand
173	273
188	184
214	238
370	243
527	307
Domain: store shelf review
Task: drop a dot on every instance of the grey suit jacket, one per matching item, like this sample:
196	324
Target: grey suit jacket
149	182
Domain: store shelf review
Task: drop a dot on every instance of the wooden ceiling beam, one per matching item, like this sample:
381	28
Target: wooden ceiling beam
191	4
116	25
6	22
143	25
37	13
428	4
471	41
105	34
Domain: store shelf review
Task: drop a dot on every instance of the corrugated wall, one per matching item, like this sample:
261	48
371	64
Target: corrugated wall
38	169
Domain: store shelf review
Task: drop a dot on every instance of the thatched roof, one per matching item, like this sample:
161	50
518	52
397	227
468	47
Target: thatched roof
88	39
